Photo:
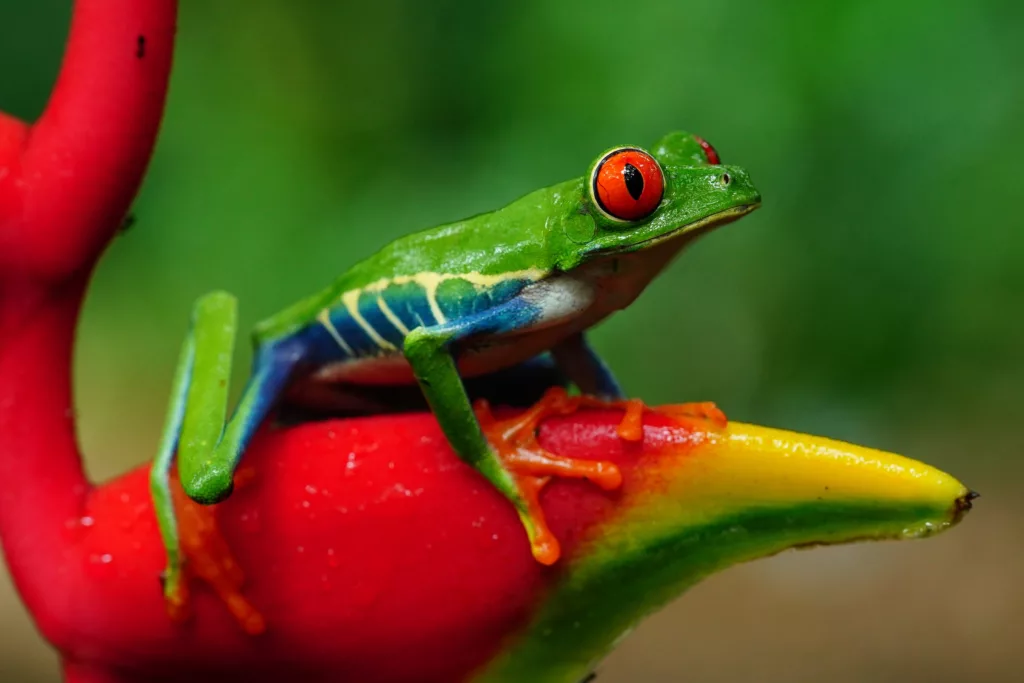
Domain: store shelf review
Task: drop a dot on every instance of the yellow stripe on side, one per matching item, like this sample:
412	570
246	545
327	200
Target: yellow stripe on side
390	315
351	301
429	282
324	318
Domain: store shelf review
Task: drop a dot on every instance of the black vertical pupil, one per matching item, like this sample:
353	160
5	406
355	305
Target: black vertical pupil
634	181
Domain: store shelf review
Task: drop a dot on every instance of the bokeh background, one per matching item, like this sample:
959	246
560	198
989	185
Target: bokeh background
876	297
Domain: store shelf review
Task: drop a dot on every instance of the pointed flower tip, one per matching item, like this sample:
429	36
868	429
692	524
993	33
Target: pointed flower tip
693	506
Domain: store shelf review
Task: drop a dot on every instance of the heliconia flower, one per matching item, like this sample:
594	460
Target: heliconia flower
360	549
372	553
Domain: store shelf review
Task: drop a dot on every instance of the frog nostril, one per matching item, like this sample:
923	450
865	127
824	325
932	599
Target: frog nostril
726	179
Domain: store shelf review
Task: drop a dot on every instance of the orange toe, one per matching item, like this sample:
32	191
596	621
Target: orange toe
208	558
631	428
706	410
515	442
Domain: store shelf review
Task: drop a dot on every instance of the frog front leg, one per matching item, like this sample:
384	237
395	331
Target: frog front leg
208	449
507	455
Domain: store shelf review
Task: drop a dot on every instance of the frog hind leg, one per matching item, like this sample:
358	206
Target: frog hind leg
506	454
591	375
584	368
207	448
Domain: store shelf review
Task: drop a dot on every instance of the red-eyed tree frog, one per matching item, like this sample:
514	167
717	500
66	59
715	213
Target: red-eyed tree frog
461	300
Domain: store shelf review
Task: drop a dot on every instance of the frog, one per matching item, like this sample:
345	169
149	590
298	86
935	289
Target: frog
518	285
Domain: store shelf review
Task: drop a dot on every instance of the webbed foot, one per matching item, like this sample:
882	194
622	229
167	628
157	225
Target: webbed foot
207	557
631	426
514	441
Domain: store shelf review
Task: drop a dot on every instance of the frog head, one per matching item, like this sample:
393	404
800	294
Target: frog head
634	199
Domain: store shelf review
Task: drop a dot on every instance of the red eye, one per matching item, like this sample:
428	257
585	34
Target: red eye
709	151
627	184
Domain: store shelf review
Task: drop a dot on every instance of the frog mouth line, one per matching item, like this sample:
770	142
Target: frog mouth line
693	230
688	232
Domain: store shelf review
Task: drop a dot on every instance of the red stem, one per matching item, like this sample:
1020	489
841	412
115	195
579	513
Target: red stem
66	183
13	134
85	157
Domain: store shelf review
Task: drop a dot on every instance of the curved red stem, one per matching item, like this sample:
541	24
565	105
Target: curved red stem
84	159
66	182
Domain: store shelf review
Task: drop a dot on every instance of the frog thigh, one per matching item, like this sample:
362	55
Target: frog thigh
576	358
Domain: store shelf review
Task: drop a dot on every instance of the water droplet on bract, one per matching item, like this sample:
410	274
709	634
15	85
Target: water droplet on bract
100	564
250	521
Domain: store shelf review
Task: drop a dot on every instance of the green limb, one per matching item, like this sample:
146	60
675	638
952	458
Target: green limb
206	474
159	473
507	455
428	353
207	450
207	348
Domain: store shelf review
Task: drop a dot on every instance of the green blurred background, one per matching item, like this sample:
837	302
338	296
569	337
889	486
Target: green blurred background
876	297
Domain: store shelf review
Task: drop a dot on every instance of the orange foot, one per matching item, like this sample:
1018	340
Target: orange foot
208	558
515	441
531	467
631	426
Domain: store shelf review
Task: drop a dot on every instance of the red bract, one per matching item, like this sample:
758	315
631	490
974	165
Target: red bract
369	549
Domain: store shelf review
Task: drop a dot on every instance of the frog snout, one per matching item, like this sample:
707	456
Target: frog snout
735	182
